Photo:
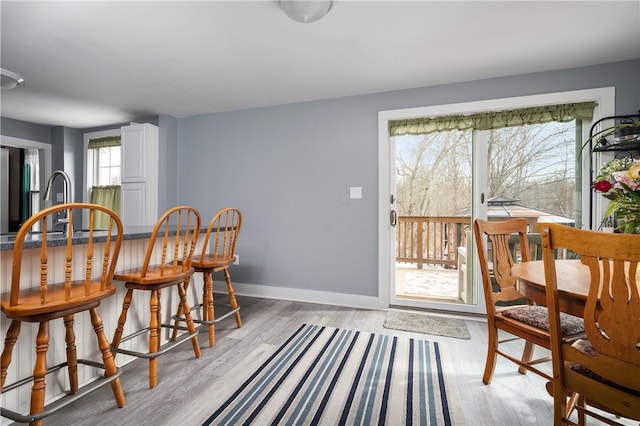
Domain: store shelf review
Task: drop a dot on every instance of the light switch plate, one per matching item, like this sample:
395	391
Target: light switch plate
355	192
59	197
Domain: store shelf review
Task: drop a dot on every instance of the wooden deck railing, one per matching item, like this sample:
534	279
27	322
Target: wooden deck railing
430	240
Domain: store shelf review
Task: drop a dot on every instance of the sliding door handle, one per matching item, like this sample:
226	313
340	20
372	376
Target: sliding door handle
393	218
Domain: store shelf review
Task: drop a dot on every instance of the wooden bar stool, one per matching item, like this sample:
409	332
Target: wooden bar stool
82	273
176	233
223	231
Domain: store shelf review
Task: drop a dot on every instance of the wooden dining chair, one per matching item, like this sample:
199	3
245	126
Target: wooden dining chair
167	263
524	320
603	367
72	277
218	254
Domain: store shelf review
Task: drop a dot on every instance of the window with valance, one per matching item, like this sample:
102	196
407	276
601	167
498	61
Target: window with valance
104	174
531	158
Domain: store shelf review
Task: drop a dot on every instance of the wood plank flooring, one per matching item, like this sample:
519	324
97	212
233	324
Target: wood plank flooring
189	389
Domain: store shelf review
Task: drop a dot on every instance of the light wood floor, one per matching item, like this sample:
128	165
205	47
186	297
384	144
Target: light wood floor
189	389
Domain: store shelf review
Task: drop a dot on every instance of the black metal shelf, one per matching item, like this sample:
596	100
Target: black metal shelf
620	146
631	148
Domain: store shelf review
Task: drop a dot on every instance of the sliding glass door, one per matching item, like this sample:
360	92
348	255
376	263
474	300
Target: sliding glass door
442	167
526	171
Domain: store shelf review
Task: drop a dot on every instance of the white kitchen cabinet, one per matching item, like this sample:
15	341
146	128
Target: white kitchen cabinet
134	201
139	179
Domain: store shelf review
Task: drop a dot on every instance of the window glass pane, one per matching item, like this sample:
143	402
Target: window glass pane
115	176
433	177
433	174
103	157
104	166
115	156
532	171
103	176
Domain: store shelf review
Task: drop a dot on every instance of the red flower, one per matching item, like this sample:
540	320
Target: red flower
602	186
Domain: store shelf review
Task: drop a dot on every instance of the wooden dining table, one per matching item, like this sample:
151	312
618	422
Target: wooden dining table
573	283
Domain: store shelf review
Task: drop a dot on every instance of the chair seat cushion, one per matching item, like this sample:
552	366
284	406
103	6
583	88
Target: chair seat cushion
538	316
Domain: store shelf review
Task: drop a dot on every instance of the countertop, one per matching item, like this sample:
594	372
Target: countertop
79	237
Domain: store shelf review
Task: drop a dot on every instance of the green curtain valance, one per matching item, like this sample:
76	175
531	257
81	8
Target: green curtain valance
106	142
493	119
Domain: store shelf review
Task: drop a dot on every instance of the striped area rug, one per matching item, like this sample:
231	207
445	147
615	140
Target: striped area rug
329	376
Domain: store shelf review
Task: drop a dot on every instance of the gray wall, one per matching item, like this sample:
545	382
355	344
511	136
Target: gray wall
289	169
23	130
168	167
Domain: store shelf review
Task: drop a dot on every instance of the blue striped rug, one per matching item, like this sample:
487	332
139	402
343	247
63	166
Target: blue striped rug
329	376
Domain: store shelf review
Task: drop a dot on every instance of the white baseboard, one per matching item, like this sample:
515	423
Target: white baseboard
300	295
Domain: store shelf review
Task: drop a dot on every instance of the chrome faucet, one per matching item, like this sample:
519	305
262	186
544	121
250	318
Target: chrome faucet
66	193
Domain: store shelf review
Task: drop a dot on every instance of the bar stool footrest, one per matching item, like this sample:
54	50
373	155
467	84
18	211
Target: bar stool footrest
214	321
62	402
183	338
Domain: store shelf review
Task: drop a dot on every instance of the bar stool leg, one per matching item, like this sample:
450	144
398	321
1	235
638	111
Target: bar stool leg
72	355
9	343
117	336
39	371
159	316
176	323
232	297
107	357
208	304
191	327
153	337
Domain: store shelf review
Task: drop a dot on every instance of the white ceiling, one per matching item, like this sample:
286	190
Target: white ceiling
88	63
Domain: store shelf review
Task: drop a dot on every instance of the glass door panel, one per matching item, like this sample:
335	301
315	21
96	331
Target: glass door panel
532	174
433	187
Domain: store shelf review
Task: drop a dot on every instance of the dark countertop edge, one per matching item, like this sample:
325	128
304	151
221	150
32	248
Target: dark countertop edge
58	240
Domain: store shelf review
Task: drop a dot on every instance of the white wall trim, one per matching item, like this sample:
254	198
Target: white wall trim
602	95
384	231
23	143
300	295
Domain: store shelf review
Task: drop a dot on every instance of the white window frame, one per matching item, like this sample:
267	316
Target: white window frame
86	193
95	158
87	137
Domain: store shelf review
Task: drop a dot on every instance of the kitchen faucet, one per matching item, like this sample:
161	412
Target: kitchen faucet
66	194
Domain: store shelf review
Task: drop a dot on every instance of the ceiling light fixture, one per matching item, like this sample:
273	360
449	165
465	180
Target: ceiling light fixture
305	11
10	80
